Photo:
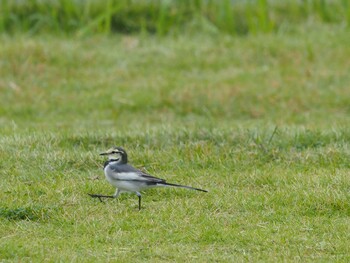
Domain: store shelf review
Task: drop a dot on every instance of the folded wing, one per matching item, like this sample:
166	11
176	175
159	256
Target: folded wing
126	172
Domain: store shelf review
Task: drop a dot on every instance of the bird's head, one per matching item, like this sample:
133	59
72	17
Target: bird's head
116	154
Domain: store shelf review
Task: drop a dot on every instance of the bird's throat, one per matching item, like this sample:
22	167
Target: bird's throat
110	161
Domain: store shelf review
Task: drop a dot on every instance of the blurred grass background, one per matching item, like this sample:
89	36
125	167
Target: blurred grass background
248	99
235	17
135	81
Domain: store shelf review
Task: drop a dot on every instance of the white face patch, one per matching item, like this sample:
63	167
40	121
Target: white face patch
115	156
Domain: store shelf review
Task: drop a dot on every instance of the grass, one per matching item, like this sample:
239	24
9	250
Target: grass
159	17
289	202
262	122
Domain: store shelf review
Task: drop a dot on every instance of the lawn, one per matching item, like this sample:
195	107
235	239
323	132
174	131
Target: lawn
261	121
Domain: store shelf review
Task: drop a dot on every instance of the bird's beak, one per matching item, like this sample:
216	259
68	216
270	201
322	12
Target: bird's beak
103	153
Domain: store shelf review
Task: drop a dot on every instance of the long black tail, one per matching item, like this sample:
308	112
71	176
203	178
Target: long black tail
183	186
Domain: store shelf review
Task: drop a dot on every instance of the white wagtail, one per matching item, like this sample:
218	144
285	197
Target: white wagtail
129	179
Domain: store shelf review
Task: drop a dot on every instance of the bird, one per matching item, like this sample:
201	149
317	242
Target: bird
127	178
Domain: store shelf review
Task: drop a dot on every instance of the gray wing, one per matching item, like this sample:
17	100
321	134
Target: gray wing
127	172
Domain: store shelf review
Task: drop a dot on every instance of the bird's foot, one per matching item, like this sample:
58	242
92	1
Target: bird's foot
100	196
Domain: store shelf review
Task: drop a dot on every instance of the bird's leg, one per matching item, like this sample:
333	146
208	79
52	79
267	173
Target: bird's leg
101	196
116	194
139	195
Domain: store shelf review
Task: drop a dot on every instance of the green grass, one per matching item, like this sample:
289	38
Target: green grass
262	122
161	17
